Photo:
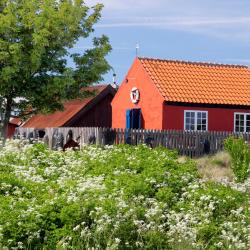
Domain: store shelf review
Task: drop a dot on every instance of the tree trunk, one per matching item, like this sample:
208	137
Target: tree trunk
6	119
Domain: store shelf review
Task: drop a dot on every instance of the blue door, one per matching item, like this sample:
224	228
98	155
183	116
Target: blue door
128	118
133	118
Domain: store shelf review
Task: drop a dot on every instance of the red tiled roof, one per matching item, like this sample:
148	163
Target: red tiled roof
16	121
192	82
59	118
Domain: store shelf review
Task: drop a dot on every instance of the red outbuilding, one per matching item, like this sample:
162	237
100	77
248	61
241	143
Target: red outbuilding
93	111
13	124
168	94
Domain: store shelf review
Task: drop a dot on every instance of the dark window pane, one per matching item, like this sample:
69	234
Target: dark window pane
187	114
237	129
204	115
199	115
198	127
248	129
198	121
204	127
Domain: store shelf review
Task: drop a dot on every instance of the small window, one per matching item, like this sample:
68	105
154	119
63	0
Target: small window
15	112
195	120
242	122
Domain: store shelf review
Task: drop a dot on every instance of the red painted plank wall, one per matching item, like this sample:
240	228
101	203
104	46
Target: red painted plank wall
150	99
98	116
219	119
11	130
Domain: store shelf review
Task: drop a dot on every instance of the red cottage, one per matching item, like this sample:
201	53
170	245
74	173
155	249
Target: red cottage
94	111
167	94
13	124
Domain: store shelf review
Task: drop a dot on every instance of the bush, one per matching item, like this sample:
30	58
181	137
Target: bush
120	197
240	154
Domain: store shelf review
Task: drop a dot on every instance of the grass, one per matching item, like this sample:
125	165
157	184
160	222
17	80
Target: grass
215	167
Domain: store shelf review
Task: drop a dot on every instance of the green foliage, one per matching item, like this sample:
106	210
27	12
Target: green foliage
35	40
240	153
120	197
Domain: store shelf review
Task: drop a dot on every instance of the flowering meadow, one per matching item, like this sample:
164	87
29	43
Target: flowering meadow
116	197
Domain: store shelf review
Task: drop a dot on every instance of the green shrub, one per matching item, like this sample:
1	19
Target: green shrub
116	197
240	154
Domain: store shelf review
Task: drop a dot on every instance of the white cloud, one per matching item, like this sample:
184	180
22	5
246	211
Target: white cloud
176	22
224	27
224	19
80	47
122	5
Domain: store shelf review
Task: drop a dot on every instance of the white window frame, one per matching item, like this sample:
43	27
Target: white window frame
245	121
195	119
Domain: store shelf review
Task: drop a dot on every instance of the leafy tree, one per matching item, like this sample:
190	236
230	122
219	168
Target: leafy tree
35	41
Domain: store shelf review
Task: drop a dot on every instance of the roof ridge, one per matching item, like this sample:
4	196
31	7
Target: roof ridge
195	63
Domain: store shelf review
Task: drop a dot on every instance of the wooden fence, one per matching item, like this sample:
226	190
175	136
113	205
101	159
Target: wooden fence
190	143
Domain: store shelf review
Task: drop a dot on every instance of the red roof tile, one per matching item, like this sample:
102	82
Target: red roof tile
59	118
195	82
16	121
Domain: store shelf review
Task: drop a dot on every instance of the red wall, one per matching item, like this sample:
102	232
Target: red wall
150	102
219	119
11	130
98	116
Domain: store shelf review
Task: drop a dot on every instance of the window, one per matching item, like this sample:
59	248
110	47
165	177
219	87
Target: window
195	120
15	112
242	122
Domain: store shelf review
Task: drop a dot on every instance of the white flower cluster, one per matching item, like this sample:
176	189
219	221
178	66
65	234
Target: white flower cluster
115	198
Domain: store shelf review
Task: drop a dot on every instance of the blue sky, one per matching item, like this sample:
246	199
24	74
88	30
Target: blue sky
194	30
